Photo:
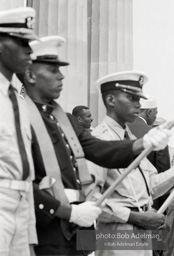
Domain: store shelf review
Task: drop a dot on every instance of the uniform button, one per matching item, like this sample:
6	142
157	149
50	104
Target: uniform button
75	164
78	181
74	169
51	211
63	135
71	157
51	117
67	145
44	108
41	206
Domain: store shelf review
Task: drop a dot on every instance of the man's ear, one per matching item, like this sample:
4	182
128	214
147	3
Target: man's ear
79	119
30	76
110	100
148	112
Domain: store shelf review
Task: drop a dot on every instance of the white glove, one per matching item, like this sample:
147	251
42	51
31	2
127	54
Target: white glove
84	214
157	137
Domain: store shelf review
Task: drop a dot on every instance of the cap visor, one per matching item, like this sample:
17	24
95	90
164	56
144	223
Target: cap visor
138	94
25	36
63	63
60	63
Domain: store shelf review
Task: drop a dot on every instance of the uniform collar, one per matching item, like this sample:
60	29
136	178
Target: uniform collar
118	129
45	108
113	125
4	84
143	119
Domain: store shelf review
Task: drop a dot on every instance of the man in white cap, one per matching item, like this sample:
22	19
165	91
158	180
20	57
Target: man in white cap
141	126
128	207
59	147
147	116
17	220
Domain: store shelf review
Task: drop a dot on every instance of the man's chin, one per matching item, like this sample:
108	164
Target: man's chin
132	119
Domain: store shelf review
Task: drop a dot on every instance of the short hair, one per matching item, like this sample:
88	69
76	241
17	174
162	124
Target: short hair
78	110
104	95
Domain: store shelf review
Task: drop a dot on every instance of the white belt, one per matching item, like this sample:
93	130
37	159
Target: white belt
15	184
74	195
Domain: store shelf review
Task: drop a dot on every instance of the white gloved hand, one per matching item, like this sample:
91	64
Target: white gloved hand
84	214
157	137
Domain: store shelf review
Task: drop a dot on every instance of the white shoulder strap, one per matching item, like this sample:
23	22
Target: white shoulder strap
71	136
47	151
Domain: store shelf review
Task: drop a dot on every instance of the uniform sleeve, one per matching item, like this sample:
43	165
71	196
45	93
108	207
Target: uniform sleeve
46	207
111	212
108	154
161	183
162	160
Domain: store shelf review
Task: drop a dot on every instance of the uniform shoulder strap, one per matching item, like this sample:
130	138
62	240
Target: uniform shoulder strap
71	136
48	153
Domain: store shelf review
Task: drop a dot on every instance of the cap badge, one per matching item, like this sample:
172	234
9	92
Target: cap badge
141	80
30	22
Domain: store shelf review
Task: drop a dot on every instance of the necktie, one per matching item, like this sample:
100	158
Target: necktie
21	146
126	137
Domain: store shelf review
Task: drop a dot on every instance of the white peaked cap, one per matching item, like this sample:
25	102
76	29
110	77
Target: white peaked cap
149	103
18	22
127	81
47	49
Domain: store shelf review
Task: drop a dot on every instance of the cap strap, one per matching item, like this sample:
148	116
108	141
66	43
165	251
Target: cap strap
13	25
123	86
47	57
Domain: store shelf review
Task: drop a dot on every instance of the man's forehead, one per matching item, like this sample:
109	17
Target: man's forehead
126	94
85	110
46	65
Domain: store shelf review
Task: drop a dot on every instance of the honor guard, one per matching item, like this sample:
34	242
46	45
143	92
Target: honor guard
129	206
59	149
17	220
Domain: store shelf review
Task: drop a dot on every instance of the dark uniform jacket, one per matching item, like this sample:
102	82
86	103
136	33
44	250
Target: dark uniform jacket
160	159
107	154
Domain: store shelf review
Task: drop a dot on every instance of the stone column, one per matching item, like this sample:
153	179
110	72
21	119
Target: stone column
111	45
99	41
10	4
67	18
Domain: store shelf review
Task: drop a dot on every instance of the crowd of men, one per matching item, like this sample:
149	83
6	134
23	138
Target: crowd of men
47	191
